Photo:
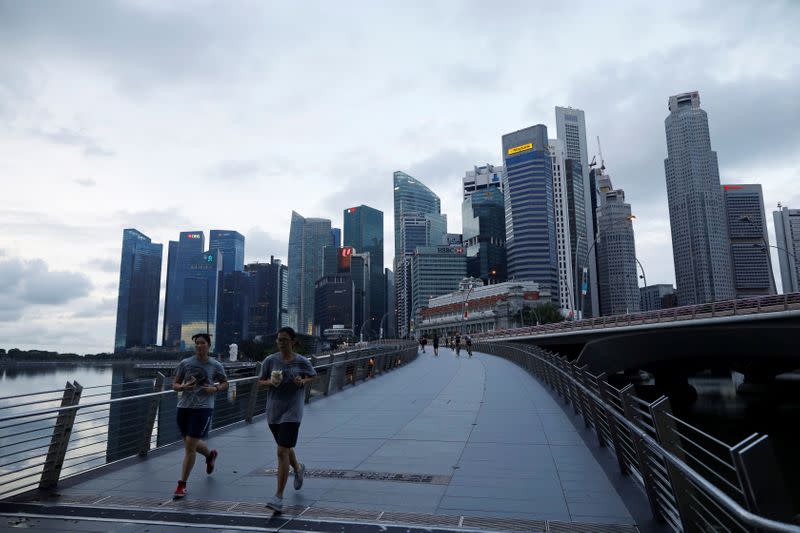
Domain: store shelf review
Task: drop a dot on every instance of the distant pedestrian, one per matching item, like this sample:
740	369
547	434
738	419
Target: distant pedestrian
458	345
286	374
468	341
436	344
198	378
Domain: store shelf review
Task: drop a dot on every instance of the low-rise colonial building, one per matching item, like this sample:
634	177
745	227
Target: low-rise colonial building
474	308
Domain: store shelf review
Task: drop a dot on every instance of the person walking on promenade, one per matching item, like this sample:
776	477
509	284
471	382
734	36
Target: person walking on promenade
468	341
436	344
458	344
286	373
198	378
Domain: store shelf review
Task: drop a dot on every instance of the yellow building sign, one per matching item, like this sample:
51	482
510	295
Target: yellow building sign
518	149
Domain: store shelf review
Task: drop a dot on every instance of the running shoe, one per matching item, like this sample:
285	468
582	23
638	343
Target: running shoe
180	490
298	477
276	504
210	460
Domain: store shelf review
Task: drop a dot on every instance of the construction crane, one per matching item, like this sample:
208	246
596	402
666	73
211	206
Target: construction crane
600	149
594	162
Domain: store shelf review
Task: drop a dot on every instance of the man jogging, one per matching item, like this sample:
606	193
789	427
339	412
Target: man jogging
198	379
286	374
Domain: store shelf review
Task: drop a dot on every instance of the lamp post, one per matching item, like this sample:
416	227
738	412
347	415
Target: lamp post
464	305
644	276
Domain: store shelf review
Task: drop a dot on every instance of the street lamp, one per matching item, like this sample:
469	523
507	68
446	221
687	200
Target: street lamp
464	305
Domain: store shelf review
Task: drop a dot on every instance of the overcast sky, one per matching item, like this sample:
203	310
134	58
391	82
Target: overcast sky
196	115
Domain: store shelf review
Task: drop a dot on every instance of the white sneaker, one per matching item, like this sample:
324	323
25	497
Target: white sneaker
276	504
298	477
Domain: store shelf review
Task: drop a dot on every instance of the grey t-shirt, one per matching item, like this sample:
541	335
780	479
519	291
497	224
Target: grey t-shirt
285	402
205	374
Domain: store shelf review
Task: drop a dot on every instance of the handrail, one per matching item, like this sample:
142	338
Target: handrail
110	401
743	514
739	307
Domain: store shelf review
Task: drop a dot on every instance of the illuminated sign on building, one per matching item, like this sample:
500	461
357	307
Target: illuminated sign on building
726	187
345	257
352	210
194	235
522	148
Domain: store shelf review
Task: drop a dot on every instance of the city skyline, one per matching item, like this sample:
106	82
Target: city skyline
86	163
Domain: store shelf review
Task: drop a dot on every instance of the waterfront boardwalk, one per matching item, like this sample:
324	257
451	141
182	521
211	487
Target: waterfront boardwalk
475	443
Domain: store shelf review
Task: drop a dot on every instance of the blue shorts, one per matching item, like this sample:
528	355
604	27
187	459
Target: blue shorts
194	423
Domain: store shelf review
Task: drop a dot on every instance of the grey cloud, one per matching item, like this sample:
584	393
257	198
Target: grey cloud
69	137
235	170
105	308
626	106
260	245
88	182
474	77
27	283
104	265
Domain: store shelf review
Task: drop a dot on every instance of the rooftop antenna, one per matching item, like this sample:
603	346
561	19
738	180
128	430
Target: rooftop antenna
600	149
594	162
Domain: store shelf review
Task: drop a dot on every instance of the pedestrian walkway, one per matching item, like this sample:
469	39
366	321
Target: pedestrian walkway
458	439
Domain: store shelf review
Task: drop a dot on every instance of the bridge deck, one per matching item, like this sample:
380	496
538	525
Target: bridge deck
490	440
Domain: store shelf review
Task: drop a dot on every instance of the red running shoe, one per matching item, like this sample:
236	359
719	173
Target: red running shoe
180	491
210	460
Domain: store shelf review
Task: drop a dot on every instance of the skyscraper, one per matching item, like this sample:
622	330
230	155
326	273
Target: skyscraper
747	229
189	245
484	234
566	258
435	270
389	322
307	240
199	302
616	254
700	243
571	129
363	230
483	178
333	303
233	308
231	245
139	290
336	237
530	215
268	300
653	296
787	237
417	222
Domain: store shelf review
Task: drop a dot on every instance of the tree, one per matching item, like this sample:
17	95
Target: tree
543	313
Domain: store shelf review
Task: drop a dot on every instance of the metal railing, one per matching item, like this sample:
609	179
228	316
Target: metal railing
692	481
51	435
744	306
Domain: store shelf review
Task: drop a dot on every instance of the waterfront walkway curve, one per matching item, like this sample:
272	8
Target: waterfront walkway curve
452	442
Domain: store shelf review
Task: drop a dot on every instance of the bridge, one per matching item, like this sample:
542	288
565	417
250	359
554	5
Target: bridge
513	439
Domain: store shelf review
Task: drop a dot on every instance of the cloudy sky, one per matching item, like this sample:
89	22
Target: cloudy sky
197	115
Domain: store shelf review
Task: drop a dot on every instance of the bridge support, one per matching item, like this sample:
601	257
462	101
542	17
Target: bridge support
60	439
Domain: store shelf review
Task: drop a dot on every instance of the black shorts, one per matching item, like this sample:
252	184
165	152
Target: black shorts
285	434
194	423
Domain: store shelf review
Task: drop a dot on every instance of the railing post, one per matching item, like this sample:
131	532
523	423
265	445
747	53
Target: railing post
668	438
613	425
642	459
61	434
761	480
150	418
253	399
595	410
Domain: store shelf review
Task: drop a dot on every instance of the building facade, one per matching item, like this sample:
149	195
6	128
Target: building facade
333	303
269	297
417	222
481	309
747	230
307	240
530	214
435	270
566	273
199	305
233	309
787	237
571	129
484	235
231	246
483	178
616	255
389	322
700	242
363	230
190	244
139	291
655	297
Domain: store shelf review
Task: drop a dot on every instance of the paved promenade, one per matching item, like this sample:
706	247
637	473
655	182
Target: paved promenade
464	439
